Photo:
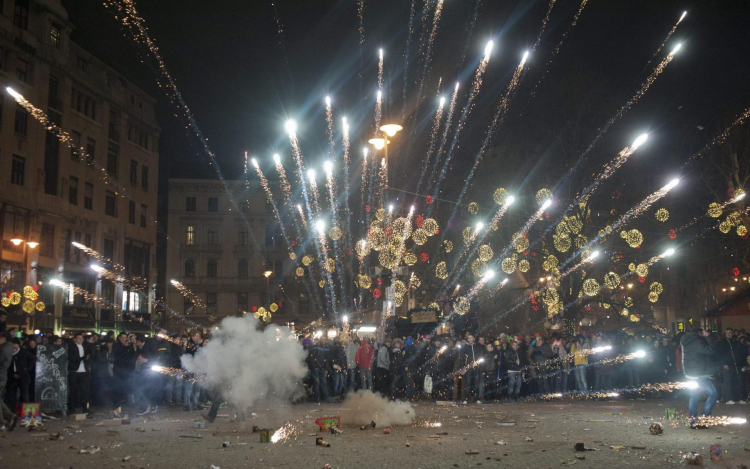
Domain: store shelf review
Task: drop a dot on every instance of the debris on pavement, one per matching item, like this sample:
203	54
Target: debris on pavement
693	459
501	443
656	428
90	450
321	442
386	431
471	452
126	459
529	440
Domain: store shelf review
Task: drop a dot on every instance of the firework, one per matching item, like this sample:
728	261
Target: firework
427	59
669	36
556	51
288	430
329	122
433	140
444	139
187	293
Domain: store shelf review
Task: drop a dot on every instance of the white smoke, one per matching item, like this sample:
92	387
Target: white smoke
364	407
248	365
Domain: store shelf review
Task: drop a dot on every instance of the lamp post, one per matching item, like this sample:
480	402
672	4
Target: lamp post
389	130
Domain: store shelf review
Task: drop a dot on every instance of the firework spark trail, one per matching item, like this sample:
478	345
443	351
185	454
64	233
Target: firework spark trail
496	121
720	138
331	186
380	69
323	247
427	59
187	293
280	31
559	44
410	34
329	125
269	196
444	139
431	148
361	16
347	162
284	433
363	186
378	111
669	35
476	85
544	24
469	32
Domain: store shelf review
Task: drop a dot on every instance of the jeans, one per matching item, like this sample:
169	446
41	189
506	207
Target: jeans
339	382
704	384
320	383
174	388
366	379
580	372
634	375
351	375
542	384
473	381
514	384
191	392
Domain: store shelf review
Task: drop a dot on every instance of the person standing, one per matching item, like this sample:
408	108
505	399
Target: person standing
699	363
79	375
365	358
469	359
732	358
19	375
383	367
191	390
338	365
540	355
7	417
515	362
350	348
580	361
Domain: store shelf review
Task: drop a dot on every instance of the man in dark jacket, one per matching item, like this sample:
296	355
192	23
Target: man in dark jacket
398	375
320	366
698	364
338	368
515	362
122	369
19	375
470	357
541	353
79	374
732	357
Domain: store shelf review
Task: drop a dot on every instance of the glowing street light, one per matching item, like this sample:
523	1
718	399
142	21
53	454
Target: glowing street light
16	241
391	129
378	143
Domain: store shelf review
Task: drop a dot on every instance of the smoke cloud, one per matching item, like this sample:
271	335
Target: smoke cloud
364	407
249	365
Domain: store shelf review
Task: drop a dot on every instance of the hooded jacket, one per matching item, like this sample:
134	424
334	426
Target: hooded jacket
698	356
384	358
365	356
351	355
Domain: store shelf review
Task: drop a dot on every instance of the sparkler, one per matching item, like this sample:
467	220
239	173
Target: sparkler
287	431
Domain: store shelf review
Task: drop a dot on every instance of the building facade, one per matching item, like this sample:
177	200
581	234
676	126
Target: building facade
225	247
103	196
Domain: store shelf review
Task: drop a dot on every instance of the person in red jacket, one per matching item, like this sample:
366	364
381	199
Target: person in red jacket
365	359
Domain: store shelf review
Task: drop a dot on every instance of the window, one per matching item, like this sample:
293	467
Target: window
269	236
109	249
144	177
75	150
241	303
87	243
73	190
131	212
17	170
53	98
83	103
133	172
55	36
22	70
21	14
213	204
211	268
22	121
190	235
88	196
144	215
278	237
211	303
188	307
90	150
278	267
114	126
190	204
47	240
81	63
110	204
189	268
112	161
213	236
77	253
242	239
242	268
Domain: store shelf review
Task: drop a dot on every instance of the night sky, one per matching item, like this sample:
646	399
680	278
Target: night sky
242	81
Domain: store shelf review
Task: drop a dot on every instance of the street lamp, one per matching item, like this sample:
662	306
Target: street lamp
16	241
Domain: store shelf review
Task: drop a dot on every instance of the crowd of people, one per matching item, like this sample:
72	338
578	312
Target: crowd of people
511	368
115	370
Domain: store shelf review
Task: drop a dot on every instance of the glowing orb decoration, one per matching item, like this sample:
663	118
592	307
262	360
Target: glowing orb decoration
653	297
399	288
478	267
662	215
273	307
376	237
414	282
553	261
424	257
321	284
365	281
28	291
521	243
656	287
300	271
634	238
473	208
335	233
380	214
32	295
448	245
672	234
306	260
734	218
524	265
362	248
641	270
331	265
550	296
410	258
725	227
590	287
543	196
631	267
433	305
399	300
485	252
500	195
292	256
376	293
40	306
508	265
605	305
561	242
468	234
5	301
401	228
629	302
625	311
15	298
388	257
419	236
462	305
581	241
28	306
741	230
634	318
431	226
611	280
441	270
575	225
714	210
